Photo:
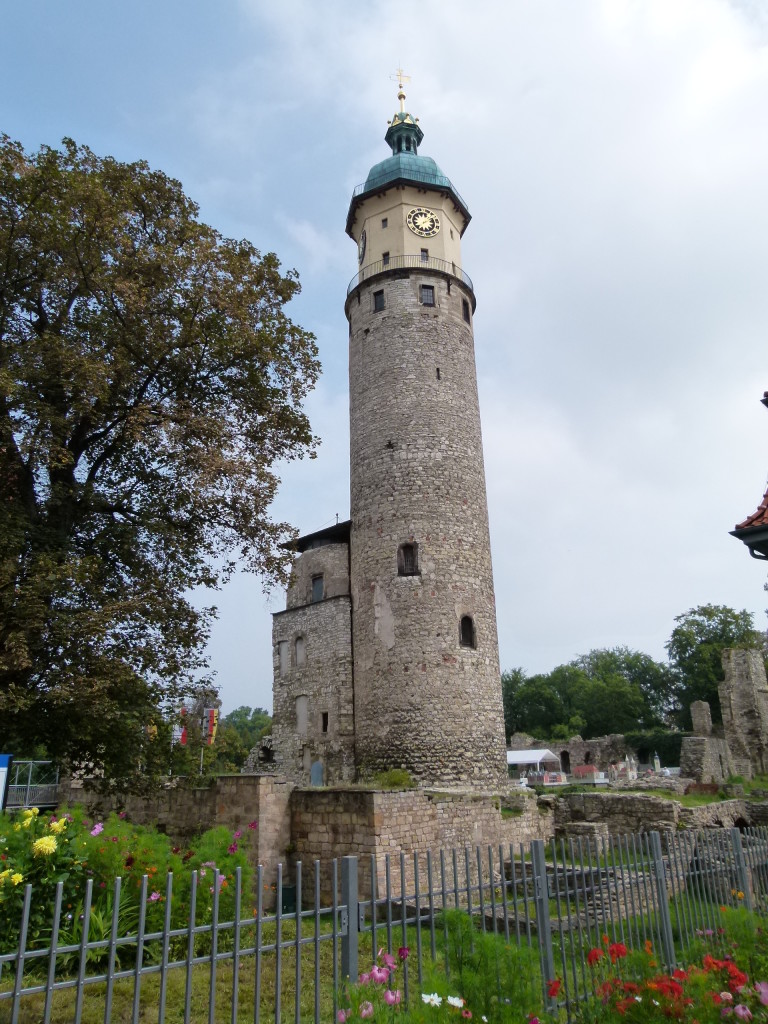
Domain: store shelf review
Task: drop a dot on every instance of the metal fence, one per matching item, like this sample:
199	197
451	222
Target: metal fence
33	784
560	899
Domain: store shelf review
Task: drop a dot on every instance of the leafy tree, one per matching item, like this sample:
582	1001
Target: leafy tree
601	692
149	380
511	682
695	651
239	732
654	680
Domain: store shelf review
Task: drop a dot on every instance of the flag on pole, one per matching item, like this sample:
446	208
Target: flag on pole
211	724
180	730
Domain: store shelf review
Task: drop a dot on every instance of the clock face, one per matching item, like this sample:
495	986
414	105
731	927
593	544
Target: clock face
361	247
423	222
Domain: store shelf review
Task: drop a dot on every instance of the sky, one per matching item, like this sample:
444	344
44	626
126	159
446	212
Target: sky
614	157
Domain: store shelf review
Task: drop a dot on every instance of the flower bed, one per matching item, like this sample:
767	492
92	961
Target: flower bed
44	850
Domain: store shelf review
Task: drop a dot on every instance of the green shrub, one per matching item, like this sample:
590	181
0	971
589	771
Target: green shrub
45	849
657	741
394	778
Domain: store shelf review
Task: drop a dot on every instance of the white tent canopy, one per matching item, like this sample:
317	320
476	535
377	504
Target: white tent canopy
532	757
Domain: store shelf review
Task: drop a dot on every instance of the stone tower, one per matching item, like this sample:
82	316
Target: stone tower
427	690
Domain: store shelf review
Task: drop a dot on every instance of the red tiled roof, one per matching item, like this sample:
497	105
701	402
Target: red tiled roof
758	518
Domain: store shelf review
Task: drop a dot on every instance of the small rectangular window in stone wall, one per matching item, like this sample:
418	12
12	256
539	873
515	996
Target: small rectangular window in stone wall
408	560
317	589
427	295
378	301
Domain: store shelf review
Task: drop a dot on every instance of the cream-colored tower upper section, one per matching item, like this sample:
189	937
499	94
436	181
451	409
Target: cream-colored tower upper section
407	211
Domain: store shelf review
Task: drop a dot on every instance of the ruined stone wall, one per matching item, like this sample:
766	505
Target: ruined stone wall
423	701
744	704
313	699
706	759
184	811
337	823
624	813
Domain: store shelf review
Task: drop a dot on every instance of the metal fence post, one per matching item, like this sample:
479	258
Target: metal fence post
543	926
741	868
662	901
349	898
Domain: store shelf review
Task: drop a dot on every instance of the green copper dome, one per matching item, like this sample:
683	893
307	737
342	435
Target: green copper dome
409	166
404	167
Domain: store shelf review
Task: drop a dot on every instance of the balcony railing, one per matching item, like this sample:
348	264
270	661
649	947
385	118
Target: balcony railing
436	180
415	262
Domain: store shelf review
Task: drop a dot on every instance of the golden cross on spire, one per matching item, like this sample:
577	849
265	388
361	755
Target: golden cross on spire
401	78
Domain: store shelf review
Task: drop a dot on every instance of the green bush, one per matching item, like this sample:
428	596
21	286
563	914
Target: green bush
394	778
657	741
45	849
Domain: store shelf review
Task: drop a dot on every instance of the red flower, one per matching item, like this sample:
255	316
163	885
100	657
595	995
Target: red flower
593	956
617	951
403	952
553	988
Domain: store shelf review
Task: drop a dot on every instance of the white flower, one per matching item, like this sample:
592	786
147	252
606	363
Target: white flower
638	999
431	998
455	1001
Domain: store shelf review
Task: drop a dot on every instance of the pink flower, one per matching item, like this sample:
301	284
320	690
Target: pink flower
379	974
232	848
364	978
761	987
392	998
122	815
238	834
97	829
387	959
743	1011
726	997
342	1016
366	1009
255	824
403	952
467	1014
155	897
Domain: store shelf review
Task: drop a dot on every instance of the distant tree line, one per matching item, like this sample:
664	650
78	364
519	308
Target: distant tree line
236	735
624	691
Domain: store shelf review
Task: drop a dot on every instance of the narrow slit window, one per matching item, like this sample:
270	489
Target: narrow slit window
465	309
378	301
427	295
467	636
325	721
317	589
425	255
385	258
383	222
408	560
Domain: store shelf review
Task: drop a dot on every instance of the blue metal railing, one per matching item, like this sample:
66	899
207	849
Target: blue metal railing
416	262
